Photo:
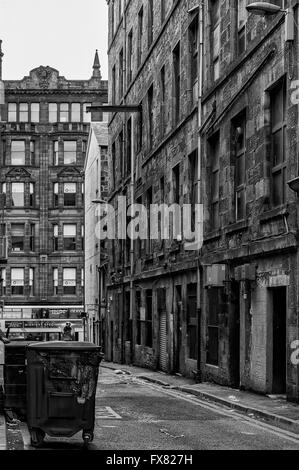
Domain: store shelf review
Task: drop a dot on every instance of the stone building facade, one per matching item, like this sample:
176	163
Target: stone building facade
152	291
250	151
43	146
96	190
227	312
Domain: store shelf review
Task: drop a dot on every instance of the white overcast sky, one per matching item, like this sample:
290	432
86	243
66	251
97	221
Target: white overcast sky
63	34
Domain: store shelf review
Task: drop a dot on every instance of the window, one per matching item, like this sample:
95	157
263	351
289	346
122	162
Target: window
31	194
193	49
17	281
64	112
55	282
138	319
139	121
140	37
215	13
18	152
150	22
56	194
130	56
31	282
82	237
34	112
69	281
17	194
239	145
176	184
82	193
17	237
3	281
215	307
56	153
214	151
163	99
150	103
82	278
69	237
86	115
12	112
120	75
149	201
53	109
113	97
23	112
192	320
76	108
278	137
177	82
3	194
55	237
32	238
129	147
149	318
193	176
241	18
70	152
69	191
113	156
32	153
121	153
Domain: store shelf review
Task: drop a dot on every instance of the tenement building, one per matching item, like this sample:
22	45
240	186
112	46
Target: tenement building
43	146
228	311
249	137
152	311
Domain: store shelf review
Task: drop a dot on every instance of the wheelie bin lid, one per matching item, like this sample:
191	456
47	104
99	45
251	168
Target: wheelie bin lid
64	345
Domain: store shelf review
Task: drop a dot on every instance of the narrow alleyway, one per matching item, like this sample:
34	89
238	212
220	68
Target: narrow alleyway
133	414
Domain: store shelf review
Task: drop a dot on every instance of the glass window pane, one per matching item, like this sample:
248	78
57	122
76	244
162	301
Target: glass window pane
23	108
12	112
76	112
64	112
277	147
18	152
69	230
70	152
52	112
34	112
17	190
277	188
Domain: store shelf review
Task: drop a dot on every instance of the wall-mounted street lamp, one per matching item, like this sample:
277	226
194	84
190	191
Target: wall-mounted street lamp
294	185
268	9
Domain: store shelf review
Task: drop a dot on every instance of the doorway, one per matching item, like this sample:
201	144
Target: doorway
178	366
279	297
235	331
163	359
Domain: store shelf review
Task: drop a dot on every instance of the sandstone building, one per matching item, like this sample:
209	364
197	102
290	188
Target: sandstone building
42	153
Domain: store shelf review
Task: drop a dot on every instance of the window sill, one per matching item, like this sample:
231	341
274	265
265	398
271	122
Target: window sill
236	227
213	235
272	214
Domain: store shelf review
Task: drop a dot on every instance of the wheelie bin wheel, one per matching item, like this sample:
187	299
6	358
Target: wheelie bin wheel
87	437
37	437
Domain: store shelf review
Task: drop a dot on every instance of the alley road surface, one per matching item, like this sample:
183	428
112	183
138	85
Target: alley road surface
132	414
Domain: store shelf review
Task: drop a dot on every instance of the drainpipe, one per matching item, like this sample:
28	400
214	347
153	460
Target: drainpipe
199	178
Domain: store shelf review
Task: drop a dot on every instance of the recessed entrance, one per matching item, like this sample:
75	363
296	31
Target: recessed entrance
279	297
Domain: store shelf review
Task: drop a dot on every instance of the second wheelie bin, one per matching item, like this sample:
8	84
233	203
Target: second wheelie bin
61	387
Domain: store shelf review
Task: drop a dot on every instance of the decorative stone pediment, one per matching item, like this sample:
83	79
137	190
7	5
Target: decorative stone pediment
18	174
68	172
44	77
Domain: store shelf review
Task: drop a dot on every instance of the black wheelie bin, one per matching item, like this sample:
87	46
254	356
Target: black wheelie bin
61	387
